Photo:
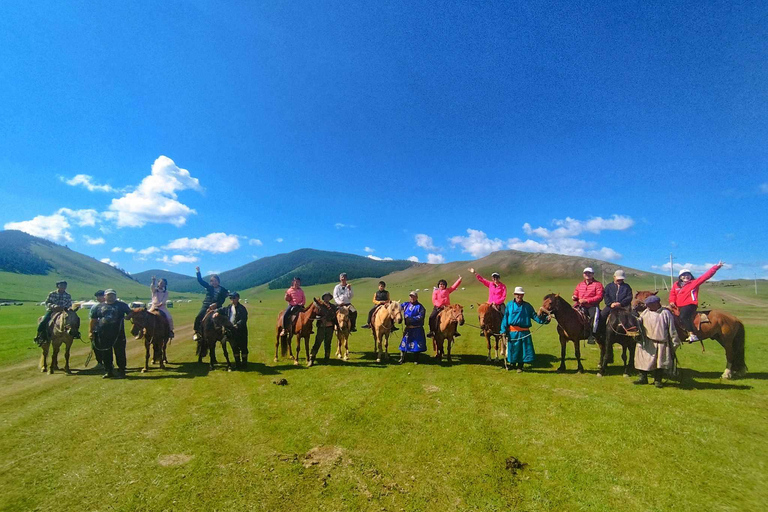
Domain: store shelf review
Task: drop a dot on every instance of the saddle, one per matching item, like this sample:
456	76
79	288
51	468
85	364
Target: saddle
586	330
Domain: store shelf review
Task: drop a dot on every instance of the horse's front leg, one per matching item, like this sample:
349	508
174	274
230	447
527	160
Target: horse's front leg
44	357
563	344
580	368
67	350
226	353
624	359
386	346
488	344
728	373
54	358
298	350
147	343
605	346
212	355
450	344
306	346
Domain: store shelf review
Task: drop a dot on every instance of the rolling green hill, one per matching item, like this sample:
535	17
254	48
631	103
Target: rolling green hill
29	267
176	281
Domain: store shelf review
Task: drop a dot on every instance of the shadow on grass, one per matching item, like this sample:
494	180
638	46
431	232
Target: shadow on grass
716	375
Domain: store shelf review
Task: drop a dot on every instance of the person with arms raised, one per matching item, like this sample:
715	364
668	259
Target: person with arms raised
214	294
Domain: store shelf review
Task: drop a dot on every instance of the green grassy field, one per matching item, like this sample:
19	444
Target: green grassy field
367	436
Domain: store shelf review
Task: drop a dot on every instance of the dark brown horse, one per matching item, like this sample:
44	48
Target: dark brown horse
571	326
301	328
153	327
621	327
722	327
214	328
490	326
448	320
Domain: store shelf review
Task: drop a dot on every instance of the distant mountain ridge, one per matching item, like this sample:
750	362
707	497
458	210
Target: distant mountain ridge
312	265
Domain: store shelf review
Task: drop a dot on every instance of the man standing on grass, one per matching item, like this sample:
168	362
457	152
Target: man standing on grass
324	336
656	352
100	298
516	325
109	330
238	317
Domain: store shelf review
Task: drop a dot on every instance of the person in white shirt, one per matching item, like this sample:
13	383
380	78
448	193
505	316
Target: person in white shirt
342	296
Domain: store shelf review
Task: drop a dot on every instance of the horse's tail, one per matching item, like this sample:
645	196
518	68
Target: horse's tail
739	363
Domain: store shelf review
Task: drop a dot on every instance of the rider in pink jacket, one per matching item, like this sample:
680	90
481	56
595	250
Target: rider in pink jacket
441	297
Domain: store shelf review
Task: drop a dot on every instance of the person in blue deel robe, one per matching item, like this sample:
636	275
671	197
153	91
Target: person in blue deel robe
516	324
414	338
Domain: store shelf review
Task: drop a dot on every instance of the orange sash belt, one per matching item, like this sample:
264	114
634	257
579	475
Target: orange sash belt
514	328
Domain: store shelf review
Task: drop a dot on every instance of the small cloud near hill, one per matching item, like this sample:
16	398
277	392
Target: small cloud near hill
216	243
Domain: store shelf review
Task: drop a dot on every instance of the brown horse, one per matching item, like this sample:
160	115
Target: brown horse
722	327
571	326
214	328
153	327
344	326
301	328
621	327
447	322
62	328
383	321
490	326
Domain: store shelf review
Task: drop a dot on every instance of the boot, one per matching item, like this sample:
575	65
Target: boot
591	340
245	362
196	337
456	334
366	326
643	378
402	357
430	334
311	361
692	338
237	363
170	335
657	375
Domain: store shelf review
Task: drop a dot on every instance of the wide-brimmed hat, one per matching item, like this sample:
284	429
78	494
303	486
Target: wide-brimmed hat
684	271
619	274
519	290
588	269
326	294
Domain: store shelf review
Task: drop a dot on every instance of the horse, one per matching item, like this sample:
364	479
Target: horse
571	326
153	327
722	327
301	328
621	327
342	332
214	328
62	328
383	320
490	325
447	322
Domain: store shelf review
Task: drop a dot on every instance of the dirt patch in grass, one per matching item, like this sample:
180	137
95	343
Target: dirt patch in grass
322	456
431	389
175	459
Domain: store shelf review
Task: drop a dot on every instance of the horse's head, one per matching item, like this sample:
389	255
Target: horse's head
457	313
395	311
321	310
551	303
222	322
638	303
139	320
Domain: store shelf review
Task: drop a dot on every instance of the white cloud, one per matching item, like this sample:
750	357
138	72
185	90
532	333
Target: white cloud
569	227
130	250
109	262
155	199
340	225
568	246
255	241
369	250
87	181
693	267
217	243
178	258
477	243
56	227
426	242
149	250
764	188
371	256
117	249
279	240
413	259
435	258
52	227
94	241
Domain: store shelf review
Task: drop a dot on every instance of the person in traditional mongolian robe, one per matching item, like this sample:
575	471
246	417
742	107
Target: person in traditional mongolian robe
656	352
516	325
414	339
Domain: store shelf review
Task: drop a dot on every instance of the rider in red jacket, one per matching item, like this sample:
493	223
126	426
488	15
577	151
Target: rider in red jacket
588	295
685	295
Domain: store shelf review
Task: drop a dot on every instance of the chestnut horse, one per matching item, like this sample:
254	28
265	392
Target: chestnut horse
447	322
301	328
383	321
344	326
153	327
62	328
722	327
570	327
490	325
214	328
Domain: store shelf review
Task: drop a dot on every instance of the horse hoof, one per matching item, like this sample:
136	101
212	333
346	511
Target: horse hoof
346	358
143	370
295	362
50	371
229	369
378	360
599	375
43	370
560	369
727	375
580	370
67	371
274	360
626	375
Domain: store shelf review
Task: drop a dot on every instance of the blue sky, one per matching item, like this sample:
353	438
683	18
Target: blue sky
618	130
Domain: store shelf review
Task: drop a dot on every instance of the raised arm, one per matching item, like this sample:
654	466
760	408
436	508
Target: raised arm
707	275
200	280
152	286
486	282
455	285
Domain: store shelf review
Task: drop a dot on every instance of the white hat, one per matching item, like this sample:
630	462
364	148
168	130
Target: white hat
684	271
619	274
519	290
588	269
